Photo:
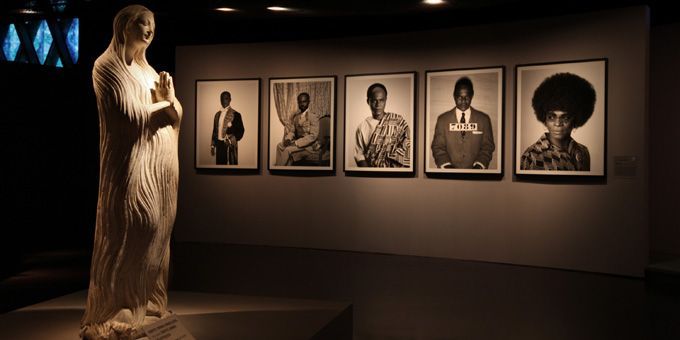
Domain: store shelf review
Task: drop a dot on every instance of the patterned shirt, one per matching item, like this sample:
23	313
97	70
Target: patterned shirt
544	155
388	145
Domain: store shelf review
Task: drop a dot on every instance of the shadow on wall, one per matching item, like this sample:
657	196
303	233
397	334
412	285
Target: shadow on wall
49	137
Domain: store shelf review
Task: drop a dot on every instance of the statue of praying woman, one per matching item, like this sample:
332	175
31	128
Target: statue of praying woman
139	120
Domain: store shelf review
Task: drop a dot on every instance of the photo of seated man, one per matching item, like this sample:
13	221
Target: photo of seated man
301	123
300	137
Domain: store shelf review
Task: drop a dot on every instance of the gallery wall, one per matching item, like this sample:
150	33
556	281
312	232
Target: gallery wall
599	226
664	166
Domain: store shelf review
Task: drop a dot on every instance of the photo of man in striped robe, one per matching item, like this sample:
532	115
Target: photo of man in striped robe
383	139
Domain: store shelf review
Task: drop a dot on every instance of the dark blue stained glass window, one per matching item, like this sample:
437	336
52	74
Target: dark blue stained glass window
72	39
11	44
42	41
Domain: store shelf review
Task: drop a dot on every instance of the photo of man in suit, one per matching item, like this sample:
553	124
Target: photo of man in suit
463	137
300	136
227	131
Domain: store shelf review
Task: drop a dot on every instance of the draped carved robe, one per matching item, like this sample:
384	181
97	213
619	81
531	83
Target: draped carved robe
136	205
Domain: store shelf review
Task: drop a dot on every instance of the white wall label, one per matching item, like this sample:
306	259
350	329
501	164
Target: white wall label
169	328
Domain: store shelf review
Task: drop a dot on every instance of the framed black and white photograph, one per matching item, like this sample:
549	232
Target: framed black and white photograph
464	110
379	122
302	123
561	118
228	124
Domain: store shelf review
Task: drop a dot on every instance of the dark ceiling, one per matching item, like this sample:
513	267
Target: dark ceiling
196	21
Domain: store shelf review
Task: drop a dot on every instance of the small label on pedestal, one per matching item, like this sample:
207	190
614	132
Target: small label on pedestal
167	329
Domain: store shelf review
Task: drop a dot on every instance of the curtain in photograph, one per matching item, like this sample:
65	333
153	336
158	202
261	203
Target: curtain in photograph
285	99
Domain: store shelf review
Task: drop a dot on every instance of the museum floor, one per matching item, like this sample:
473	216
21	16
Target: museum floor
396	297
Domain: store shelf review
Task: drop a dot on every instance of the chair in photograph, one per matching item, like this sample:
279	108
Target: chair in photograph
323	141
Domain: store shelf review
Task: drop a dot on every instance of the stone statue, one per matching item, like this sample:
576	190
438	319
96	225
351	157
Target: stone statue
139	119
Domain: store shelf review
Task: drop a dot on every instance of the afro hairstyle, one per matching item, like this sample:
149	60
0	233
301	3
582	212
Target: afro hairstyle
565	92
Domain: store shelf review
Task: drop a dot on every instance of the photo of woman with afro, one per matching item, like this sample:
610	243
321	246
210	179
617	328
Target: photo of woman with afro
562	102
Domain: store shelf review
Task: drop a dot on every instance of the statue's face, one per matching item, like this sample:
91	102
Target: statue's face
141	30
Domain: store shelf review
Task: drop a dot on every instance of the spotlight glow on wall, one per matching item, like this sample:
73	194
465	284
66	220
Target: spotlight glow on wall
434	2
225	9
27	11
279	9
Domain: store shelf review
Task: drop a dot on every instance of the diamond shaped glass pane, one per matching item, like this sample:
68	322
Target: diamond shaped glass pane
42	41
11	44
72	39
58	63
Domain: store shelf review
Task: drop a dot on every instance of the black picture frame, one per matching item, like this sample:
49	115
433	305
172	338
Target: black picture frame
455	157
401	100
586	153
283	92
245	100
